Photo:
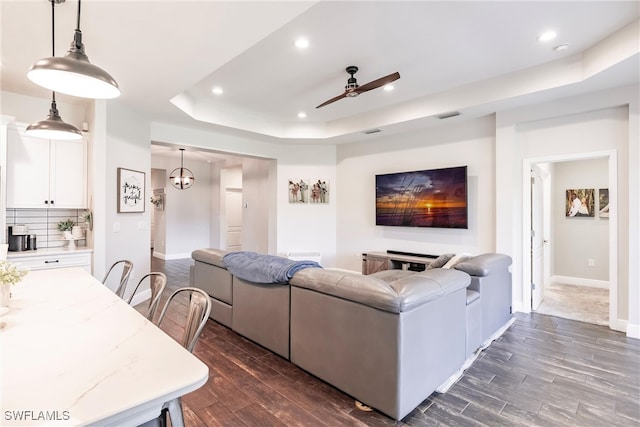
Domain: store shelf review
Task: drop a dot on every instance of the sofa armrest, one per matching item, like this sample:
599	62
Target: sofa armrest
485	264
209	256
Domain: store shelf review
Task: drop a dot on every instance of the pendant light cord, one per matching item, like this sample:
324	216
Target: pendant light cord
53	28
78	24
53	46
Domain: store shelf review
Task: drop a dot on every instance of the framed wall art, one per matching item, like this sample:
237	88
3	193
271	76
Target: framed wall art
319	191
131	191
603	202
298	190
580	202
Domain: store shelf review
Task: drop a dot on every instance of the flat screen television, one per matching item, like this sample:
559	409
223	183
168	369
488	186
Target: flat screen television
427	198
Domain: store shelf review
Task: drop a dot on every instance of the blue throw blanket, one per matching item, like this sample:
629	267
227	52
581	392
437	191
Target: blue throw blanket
260	268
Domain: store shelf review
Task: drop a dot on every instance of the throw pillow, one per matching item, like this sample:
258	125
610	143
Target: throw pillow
440	261
456	259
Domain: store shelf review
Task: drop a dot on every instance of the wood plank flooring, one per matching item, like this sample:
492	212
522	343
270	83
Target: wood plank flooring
544	371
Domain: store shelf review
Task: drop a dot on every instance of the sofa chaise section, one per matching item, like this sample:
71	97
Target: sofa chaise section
387	339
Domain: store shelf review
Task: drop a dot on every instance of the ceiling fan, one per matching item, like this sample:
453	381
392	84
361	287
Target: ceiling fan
353	89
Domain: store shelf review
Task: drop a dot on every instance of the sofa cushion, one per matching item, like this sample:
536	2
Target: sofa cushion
457	259
209	256
440	261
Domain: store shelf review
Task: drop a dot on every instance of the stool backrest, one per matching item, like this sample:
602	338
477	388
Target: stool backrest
198	310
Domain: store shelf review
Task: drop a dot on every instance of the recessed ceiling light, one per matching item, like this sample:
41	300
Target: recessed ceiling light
217	90
302	115
561	47
388	88
301	43
546	36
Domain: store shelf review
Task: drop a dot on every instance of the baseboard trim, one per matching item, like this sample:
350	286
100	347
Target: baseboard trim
633	331
444	387
141	297
591	283
169	257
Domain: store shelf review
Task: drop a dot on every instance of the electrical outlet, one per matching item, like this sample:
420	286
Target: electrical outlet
591	262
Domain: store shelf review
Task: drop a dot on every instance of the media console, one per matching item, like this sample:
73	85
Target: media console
372	262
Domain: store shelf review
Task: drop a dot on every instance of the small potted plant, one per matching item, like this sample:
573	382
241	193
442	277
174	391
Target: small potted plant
9	275
66	227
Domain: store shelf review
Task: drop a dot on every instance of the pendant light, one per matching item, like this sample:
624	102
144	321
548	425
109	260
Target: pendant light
181	178
73	74
53	127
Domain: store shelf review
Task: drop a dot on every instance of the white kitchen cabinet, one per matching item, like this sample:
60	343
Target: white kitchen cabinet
45	173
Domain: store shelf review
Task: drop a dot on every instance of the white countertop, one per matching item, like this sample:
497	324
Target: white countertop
49	251
70	344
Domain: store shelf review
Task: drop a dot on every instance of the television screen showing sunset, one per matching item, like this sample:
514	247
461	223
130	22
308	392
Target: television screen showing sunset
428	198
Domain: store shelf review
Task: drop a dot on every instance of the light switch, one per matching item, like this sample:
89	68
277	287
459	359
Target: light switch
116	227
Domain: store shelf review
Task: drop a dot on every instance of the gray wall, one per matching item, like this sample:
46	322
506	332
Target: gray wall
575	240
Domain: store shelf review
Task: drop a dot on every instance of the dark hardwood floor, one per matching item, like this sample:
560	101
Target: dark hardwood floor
543	371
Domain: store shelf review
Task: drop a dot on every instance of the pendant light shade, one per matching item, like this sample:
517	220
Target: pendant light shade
181	178
73	74
53	127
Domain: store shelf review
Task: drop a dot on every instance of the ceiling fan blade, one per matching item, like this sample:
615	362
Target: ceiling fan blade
379	82
332	100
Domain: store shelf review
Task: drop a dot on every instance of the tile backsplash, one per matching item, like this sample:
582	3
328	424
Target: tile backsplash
44	224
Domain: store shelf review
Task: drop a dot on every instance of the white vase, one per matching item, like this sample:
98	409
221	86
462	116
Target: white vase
5	295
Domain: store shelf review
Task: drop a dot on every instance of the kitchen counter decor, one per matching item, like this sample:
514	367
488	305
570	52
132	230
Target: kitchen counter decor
9	275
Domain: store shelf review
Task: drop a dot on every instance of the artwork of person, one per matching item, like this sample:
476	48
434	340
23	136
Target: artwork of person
315	193
304	187
575	205
293	191
324	189
583	209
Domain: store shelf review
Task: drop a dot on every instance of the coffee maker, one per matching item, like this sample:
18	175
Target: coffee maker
19	239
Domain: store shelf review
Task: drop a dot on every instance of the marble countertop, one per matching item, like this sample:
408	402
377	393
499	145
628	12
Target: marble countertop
73	353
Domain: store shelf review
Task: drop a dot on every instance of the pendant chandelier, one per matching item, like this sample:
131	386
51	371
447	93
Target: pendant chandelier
73	74
181	178
53	127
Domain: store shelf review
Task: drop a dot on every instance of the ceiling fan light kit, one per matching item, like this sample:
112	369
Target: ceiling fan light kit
53	127
73	74
352	89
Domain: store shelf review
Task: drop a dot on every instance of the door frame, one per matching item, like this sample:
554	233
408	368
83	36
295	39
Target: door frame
612	156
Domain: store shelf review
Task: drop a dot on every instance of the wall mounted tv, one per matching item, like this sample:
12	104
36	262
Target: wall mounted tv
427	198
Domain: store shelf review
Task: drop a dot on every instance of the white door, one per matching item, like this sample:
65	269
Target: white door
234	219
537	240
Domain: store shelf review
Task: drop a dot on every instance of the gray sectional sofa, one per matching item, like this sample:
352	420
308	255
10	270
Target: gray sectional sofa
389	339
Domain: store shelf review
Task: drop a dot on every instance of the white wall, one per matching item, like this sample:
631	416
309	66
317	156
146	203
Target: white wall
594	123
290	227
575	240
461	143
126	145
186	212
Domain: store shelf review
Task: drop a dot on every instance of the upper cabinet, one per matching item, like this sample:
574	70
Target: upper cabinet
45	173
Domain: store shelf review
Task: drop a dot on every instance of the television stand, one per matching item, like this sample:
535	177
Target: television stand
372	262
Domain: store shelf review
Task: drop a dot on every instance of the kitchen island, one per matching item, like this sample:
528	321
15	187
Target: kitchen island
73	353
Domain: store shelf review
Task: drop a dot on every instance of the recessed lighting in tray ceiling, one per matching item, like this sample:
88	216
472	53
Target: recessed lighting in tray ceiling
301	43
547	36
302	115
388	88
217	90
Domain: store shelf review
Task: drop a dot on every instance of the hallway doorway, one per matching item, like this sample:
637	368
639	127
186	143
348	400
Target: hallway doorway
571	286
